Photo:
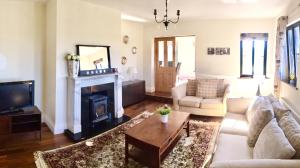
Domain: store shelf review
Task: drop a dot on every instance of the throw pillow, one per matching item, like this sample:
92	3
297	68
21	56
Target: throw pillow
271	98
291	129
221	88
263	114
272	143
255	103
207	88
280	110
191	87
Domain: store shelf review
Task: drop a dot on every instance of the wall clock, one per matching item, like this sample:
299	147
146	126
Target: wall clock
133	50
124	60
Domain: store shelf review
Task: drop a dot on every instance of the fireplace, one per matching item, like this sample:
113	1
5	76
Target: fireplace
98	109
80	124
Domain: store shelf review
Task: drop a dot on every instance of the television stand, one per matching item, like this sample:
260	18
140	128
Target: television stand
26	120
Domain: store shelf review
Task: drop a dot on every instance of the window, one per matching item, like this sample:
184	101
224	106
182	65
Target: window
293	42
253	54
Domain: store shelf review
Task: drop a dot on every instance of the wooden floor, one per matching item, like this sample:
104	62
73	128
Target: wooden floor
19	154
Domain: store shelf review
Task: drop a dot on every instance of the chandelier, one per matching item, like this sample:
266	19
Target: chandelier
165	20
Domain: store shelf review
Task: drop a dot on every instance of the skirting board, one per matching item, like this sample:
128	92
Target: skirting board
51	125
150	89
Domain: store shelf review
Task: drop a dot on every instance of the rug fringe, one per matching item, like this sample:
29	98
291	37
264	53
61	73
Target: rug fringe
39	161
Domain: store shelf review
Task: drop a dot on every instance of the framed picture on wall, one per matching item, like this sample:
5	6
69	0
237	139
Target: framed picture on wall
210	51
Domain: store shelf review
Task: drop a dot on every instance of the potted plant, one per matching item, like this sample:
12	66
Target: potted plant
164	113
73	64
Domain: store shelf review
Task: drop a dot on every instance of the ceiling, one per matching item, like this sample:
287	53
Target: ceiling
200	9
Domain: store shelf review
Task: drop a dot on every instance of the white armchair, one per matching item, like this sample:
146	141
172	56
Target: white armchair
197	105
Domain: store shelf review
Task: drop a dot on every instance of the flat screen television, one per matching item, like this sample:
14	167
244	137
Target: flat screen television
14	96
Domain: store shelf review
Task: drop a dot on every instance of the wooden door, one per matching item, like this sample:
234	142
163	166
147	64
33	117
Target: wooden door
165	70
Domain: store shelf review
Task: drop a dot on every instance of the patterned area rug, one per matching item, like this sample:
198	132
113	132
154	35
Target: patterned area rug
107	150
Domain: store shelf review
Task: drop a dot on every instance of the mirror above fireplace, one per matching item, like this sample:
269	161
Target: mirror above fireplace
94	59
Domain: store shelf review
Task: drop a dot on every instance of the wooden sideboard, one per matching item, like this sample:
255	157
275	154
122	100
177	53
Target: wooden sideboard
133	92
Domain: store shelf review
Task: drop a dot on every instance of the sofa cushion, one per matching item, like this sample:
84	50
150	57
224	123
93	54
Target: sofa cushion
190	101
216	103
279	110
291	129
272	143
255	103
232	147
191	87
207	88
235	124
262	116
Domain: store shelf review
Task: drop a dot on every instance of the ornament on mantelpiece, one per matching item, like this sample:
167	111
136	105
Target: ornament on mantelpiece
73	65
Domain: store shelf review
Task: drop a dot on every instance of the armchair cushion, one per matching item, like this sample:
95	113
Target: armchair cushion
190	101
216	103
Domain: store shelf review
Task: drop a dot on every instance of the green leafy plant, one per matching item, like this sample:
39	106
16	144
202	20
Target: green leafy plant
164	110
72	57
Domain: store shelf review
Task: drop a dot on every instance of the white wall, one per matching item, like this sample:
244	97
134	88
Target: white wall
289	93
77	22
22	43
215	33
50	64
135	32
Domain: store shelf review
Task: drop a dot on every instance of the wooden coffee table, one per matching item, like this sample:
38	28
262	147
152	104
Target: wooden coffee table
152	140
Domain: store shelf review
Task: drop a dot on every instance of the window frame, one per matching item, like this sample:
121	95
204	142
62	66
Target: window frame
292	27
253	56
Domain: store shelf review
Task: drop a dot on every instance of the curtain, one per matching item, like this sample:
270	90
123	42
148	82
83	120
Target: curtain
280	54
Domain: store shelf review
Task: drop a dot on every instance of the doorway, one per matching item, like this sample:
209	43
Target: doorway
165	70
174	61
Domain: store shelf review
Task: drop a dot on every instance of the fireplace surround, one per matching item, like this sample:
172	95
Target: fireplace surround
77	87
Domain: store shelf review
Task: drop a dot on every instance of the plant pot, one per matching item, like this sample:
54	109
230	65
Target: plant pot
73	68
164	118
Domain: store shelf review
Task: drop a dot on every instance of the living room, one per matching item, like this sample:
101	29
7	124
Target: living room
148	65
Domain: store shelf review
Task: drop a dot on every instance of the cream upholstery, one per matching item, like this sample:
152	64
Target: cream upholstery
207	107
216	103
257	163
190	101
232	147
272	143
235	124
232	150
291	130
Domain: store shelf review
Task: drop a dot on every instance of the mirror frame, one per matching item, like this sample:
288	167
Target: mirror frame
82	45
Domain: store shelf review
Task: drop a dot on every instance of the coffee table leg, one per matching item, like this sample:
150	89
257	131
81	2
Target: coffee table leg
157	159
188	128
126	150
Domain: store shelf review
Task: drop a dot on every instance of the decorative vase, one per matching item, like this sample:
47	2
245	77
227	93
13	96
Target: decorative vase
73	68
164	118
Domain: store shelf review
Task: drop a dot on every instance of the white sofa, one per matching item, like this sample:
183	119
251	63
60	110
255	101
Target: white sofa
197	105
232	150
